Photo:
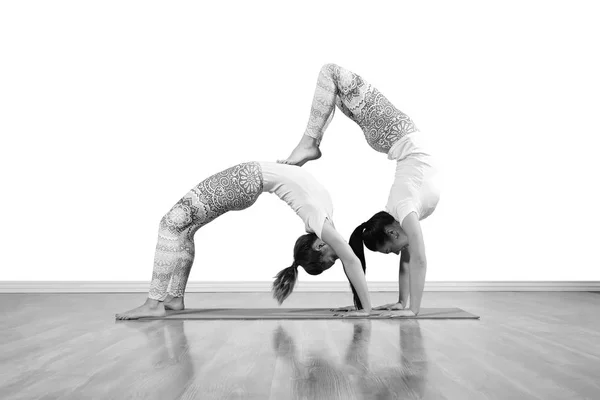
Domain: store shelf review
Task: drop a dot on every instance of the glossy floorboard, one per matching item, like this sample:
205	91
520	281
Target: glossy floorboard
527	345
306	314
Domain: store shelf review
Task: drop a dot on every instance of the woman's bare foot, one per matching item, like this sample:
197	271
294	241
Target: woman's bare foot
151	308
305	151
174	303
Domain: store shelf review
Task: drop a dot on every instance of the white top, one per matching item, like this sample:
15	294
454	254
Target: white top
416	185
301	191
414	144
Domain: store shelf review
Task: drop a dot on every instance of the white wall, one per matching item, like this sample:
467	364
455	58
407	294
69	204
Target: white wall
111	111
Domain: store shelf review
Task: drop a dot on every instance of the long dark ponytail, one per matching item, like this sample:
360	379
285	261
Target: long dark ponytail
304	256
370	234
356	243
284	283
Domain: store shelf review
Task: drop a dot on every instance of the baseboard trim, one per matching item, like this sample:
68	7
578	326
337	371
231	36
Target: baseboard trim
264	286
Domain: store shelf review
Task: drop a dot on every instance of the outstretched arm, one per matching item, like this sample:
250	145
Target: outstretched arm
417	264
351	263
403	278
403	285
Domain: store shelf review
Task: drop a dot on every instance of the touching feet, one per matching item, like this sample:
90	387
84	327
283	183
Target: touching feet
151	308
154	308
305	151
174	303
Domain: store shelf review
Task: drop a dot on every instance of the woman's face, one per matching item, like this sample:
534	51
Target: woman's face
389	247
328	256
396	241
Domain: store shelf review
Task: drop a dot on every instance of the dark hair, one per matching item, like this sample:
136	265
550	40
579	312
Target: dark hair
372	234
304	256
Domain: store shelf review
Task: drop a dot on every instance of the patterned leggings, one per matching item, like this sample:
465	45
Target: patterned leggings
382	123
235	188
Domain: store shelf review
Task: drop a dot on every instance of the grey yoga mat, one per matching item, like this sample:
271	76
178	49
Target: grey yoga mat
302	313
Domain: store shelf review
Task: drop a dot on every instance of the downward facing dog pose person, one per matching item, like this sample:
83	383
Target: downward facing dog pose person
414	194
237	188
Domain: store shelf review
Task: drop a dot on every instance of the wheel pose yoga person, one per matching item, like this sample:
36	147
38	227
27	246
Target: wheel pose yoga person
237	188
414	193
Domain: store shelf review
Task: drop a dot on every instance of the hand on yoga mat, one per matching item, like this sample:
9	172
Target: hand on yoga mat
398	314
346	314
391	306
347	308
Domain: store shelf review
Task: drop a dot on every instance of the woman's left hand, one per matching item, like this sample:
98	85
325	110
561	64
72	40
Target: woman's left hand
347	308
398	314
391	306
355	314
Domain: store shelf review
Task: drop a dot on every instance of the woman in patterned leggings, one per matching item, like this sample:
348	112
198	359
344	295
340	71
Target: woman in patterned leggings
237	188
414	194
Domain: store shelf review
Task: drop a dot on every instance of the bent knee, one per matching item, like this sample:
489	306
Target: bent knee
329	69
179	218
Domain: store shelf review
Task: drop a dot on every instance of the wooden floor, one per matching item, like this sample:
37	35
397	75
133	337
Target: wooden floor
527	345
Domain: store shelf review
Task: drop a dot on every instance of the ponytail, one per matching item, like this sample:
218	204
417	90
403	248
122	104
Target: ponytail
370	234
356	243
284	283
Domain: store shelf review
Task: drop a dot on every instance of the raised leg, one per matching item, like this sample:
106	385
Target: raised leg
335	86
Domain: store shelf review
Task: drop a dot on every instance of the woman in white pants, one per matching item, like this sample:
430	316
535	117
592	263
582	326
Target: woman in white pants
414	194
237	188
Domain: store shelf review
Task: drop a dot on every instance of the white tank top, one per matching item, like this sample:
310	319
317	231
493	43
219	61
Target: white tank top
301	191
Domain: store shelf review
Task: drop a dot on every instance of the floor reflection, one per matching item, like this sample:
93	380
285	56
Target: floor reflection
163	355
400	369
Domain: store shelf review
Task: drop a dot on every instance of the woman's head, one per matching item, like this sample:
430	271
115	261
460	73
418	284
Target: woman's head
312	254
381	233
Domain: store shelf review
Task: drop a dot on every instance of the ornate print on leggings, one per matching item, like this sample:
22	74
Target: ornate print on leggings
382	123
235	188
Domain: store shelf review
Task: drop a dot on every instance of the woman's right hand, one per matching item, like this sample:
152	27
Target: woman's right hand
347	308
391	306
353	314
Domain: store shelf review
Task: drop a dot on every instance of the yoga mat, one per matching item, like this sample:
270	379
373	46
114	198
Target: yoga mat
302	313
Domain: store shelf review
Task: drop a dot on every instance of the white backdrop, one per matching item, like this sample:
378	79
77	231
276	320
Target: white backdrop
111	111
